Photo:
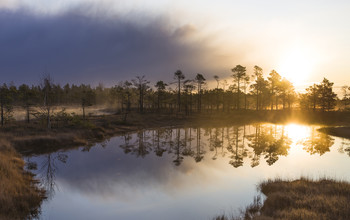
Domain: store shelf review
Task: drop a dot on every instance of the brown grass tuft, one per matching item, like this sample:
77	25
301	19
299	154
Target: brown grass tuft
20	197
306	199
299	199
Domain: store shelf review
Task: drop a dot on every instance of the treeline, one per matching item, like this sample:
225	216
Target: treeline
182	95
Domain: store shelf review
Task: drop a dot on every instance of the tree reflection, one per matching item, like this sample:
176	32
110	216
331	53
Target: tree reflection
277	147
48	169
188	151
216	142
199	153
140	148
158	145
127	146
255	144
271	143
238	143
178	144
345	148
236	148
318	143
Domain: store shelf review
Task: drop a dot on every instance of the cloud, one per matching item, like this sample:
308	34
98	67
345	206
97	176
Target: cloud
77	47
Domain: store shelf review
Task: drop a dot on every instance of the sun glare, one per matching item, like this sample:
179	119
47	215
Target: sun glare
297	132
296	66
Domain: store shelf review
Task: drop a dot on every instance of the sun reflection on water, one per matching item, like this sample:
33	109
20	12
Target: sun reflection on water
297	132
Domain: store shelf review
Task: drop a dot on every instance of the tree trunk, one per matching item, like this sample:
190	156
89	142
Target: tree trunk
128	106
276	102
257	100
28	111
271	98
2	114
48	118
238	93
314	102
158	106
199	99
141	100
83	112
179	96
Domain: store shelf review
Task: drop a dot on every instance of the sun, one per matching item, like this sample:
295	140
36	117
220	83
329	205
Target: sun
296	65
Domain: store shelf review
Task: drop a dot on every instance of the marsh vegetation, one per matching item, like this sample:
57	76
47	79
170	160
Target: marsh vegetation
20	193
304	198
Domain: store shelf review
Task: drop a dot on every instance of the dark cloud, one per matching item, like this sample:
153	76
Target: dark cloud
78	48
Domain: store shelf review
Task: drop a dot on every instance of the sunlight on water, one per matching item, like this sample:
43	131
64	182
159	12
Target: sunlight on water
183	173
297	132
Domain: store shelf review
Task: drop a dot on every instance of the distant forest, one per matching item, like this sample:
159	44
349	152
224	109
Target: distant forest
182	95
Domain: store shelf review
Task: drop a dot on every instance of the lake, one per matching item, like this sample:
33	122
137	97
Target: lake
183	173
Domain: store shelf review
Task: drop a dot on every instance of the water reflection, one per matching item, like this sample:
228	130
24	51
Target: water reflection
167	169
250	144
269	142
344	148
47	169
318	143
254	142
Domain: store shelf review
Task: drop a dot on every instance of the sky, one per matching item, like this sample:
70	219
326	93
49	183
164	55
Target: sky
90	41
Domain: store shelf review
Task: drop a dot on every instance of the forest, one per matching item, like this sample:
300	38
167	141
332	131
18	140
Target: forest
182	95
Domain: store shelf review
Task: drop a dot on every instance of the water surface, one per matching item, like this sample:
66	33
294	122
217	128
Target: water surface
183	173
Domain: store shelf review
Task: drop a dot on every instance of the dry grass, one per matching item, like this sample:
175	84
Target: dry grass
299	199
34	138
20	197
306	199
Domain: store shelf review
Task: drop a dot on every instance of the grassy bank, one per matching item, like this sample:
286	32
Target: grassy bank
20	197
300	199
34	138
343	132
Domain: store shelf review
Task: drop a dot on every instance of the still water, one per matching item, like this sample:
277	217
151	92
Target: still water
183	173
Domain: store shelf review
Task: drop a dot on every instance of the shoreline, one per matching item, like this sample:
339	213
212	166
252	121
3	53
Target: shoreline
34	139
339	131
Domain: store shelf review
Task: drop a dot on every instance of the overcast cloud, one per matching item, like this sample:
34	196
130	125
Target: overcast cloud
79	48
